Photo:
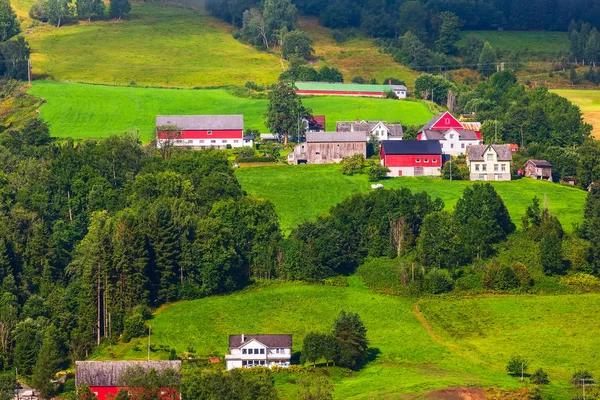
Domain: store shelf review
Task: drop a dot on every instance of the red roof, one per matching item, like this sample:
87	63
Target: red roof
319	120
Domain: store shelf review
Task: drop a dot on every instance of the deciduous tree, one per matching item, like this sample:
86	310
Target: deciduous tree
284	111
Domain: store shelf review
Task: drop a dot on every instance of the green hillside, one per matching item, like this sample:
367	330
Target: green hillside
305	191
96	111
410	359
530	44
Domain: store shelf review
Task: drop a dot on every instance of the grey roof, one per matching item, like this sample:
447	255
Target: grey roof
476	152
432	121
269	136
398	87
368	126
541	163
108	373
411	147
279	341
202	122
336	137
464	134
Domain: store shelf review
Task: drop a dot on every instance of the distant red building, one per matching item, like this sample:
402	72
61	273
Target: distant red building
412	157
103	376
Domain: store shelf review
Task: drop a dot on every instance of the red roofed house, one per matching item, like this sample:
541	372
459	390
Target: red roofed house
203	131
411	157
103	377
454	137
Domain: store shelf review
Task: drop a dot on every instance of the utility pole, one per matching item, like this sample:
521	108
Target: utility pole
298	127
496	134
522	369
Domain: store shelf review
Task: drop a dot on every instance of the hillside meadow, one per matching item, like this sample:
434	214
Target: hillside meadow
588	101
83	111
409	357
305	191
531	45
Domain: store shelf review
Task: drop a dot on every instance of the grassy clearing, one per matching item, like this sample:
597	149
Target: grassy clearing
303	192
355	57
531	44
589	102
468	344
160	46
95	111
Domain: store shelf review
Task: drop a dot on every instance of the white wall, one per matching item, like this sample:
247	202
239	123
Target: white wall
454	146
490	168
400	93
207	142
410	171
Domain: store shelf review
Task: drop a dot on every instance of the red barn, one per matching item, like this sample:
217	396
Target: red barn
103	376
412	157
202	131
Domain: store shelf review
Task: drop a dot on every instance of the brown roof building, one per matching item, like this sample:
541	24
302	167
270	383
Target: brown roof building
328	147
489	162
538	169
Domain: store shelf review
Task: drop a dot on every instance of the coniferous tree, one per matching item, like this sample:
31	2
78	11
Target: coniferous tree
351	334
119	9
9	25
48	363
487	60
449	33
28	340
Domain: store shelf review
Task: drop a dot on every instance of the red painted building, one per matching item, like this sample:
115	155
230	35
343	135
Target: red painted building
411	157
202	131
454	136
103	377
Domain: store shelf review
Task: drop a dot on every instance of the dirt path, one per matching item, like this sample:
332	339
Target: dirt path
423	322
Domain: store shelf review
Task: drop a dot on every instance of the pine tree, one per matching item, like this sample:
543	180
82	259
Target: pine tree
119	9
351	334
9	25
48	363
449	33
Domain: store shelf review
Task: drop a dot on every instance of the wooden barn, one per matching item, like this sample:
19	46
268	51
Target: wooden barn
328	147
538	169
103	377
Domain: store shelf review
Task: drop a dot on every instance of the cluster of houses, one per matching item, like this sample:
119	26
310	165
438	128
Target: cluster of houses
437	141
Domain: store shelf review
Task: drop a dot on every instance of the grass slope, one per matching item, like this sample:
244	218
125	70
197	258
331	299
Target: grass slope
303	192
589	102
160	46
355	57
484	333
95	111
531	44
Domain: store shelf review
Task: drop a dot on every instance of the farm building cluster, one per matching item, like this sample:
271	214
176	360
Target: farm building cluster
440	139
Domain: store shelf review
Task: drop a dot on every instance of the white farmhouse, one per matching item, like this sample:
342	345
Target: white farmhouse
454	136
489	162
379	129
400	90
248	351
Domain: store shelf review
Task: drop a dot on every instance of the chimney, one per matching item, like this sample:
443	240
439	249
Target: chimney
243	338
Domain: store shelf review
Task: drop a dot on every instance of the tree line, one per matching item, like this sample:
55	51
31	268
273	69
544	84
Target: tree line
14	49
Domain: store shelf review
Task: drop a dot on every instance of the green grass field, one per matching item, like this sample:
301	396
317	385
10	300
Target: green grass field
96	111
410	359
531	44
303	192
589	102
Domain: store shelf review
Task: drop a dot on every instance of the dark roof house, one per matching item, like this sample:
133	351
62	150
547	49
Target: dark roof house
271	341
463	134
108	373
394	130
405	147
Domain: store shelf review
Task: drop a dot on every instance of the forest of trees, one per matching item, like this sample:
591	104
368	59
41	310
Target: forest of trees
14	49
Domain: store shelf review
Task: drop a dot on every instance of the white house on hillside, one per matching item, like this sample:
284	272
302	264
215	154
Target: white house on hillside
380	129
489	162
453	135
248	351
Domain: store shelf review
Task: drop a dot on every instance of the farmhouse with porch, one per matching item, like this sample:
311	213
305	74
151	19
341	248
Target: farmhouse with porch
454	137
328	147
103	376
248	351
349	89
411	157
379	129
198	132
538	169
489	162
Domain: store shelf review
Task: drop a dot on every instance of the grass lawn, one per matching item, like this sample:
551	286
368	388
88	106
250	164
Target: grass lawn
355	57
409	360
305	191
531	44
159	46
96	111
589	102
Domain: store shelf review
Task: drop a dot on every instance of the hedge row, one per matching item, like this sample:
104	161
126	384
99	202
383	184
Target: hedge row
255	159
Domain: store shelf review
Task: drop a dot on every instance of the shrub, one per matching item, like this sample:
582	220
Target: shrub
540	377
246	152
438	281
340	36
584	282
255	159
134	327
358	79
173	355
516	366
377	172
580	375
352	164
390	94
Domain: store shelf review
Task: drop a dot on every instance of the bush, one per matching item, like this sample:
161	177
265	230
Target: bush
438	281
377	172
143	310
358	79
255	159
516	366
390	94
134	327
353	164
578	376
340	36
584	282
539	377
173	355
246	152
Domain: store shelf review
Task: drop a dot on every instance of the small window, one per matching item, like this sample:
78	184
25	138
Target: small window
223	141
503	167
257	351
209	132
418	160
462	145
190	141
213	141
244	362
495	167
476	167
262	362
451	145
484	167
237	141
201	141
262	351
244	351
426	160
490	157
179	141
452	136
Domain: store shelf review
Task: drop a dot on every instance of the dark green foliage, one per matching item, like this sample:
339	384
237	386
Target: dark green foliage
438	281
486	64
439	244
516	366
312	347
50	359
449	32
330	74
7	386
533	215
457	169
351	334
377	172
551	254
297	43
135	326
284	110
580	376
119	9
255	159
151	384
314	387
9	25
86	9
590	228
471	50
502	277
433	87
14	54
233	385
28	340
539	377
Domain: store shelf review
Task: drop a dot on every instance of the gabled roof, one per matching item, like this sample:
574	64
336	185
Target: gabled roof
463	134
108	373
442	121
368	126
202	122
312	137
540	163
278	341
476	152
393	147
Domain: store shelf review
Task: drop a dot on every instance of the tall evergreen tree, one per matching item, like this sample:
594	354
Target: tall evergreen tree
449	32
86	9
351	334
48	363
28	340
9	25
487	60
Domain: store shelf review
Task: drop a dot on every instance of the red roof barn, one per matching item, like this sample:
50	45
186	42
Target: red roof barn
412	157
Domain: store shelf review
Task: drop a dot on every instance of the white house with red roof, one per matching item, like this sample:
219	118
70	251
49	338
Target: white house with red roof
248	351
202	131
454	136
